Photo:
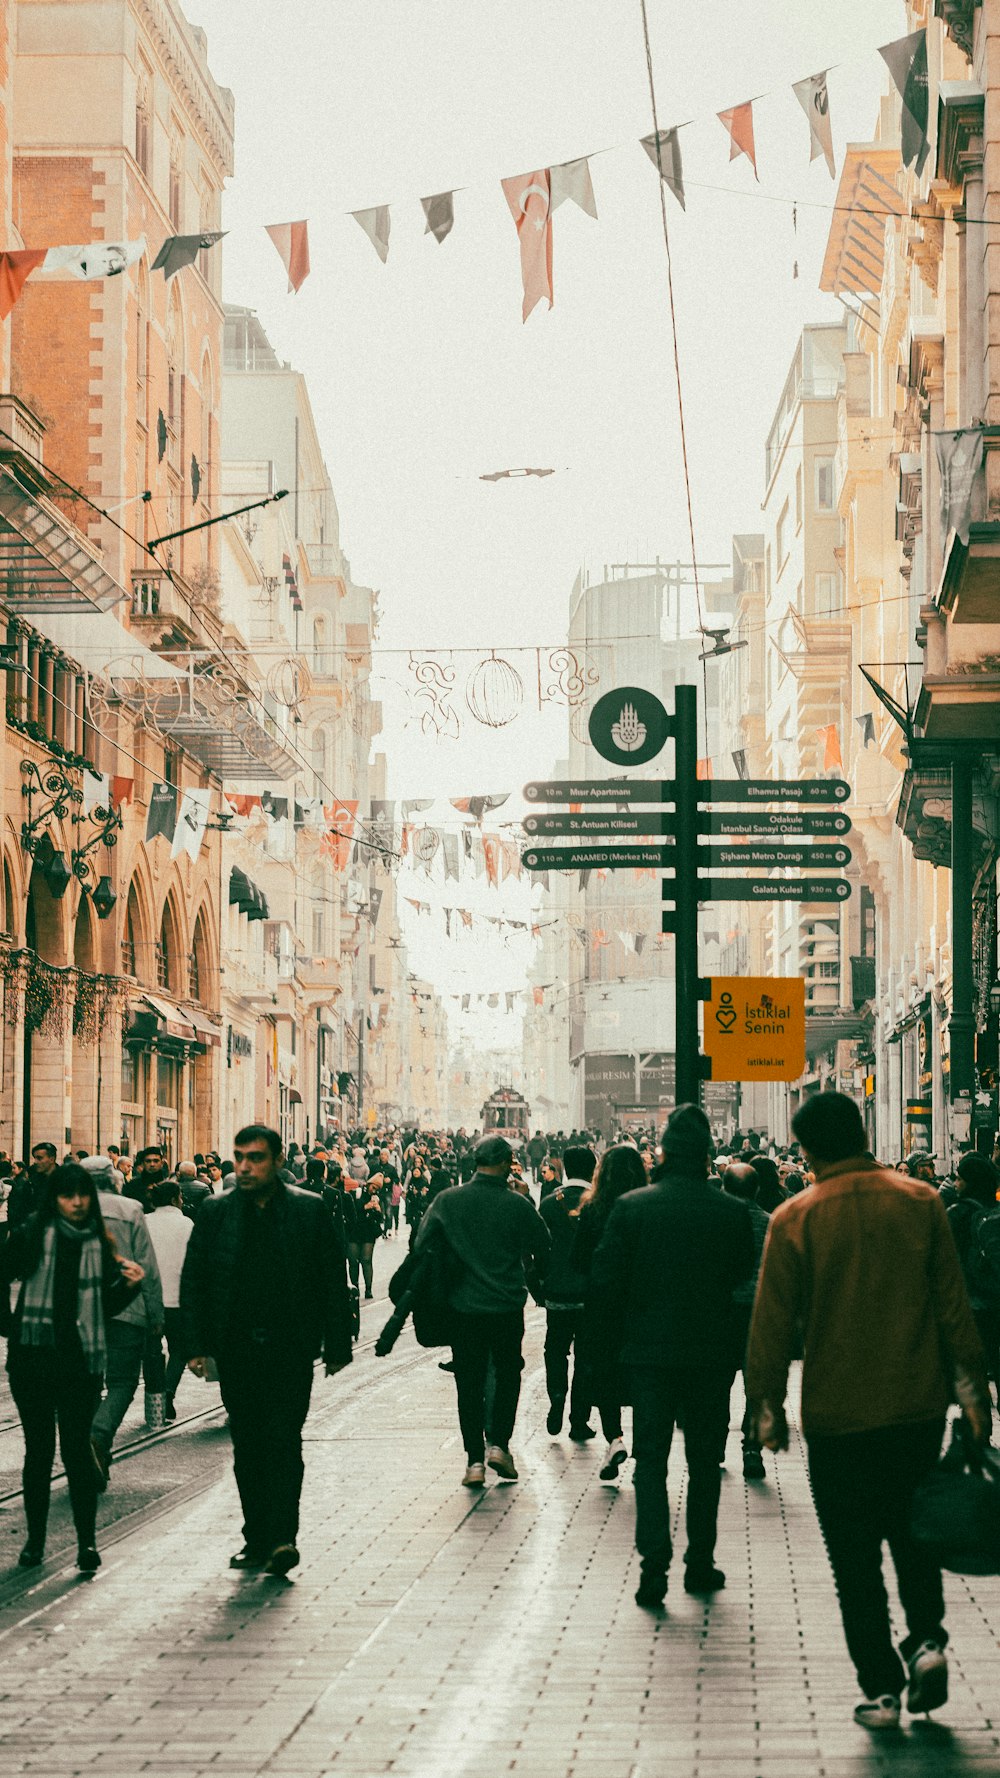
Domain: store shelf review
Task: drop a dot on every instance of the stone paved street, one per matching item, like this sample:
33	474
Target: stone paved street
433	1634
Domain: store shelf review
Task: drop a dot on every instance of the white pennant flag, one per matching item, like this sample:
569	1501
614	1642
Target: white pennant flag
814	97
192	819
101	259
628	940
572	182
375	223
96	791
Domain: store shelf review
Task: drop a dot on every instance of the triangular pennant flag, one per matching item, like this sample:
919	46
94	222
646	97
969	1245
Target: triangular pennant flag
191	823
374	905
292	241
832	759
122	791
15	268
703	769
739	122
465	916
664	150
538	996
711	937
179	251
511	858
814	96
529	197
99	259
96	791
584	878
162	816
336	843
866	724
440	214
416	807
640	940
740	762
491	853
906	60
449	846
571	183
375	223
627	940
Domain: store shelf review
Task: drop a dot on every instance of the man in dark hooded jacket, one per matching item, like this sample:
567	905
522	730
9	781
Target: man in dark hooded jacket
661	1286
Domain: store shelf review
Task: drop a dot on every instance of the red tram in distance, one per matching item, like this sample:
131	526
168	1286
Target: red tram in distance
507	1113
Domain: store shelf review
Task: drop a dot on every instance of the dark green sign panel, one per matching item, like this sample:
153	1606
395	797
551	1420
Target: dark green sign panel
598	824
597	858
761	856
775	823
773	790
759	889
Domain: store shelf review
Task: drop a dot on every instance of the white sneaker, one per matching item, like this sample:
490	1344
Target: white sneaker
475	1476
502	1462
614	1457
928	1670
878	1713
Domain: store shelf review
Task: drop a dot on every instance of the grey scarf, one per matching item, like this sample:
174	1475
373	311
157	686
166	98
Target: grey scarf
37	1309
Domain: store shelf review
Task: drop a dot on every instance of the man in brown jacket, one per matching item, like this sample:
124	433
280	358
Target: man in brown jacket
863	1269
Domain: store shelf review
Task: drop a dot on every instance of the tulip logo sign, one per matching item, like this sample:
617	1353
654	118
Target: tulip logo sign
629	726
755	1027
628	733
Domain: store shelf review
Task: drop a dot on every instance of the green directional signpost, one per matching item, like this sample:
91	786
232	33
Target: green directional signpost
629	727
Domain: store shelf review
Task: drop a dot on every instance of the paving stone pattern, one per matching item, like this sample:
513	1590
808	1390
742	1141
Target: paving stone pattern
433	1634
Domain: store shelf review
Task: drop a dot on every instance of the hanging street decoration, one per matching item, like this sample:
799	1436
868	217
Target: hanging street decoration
814	97
738	121
376	224
440	214
292	242
529	197
495	692
664	150
179	251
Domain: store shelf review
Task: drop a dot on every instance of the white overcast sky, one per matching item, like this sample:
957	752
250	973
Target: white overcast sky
421	374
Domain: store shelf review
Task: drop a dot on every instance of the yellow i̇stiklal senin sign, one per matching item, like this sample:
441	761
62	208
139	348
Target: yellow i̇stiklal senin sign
755	1027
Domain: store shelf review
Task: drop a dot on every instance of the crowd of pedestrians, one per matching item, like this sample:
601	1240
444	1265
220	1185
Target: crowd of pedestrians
666	1272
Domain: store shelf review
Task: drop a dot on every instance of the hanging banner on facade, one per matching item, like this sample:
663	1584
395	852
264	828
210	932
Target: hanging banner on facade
96	791
192	820
959	456
162	816
529	196
906	60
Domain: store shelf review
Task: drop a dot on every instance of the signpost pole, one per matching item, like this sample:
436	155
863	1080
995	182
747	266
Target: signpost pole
685	889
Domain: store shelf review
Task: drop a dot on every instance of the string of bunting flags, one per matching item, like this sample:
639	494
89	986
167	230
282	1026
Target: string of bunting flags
532	197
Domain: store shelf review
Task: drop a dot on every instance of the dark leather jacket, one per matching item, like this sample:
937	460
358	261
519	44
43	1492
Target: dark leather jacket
318	1311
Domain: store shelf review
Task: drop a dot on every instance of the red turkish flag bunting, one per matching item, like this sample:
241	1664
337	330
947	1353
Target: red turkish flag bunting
15	268
739	122
292	242
340	817
530	198
832	757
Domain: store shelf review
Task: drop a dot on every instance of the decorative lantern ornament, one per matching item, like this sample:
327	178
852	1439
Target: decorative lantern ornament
495	692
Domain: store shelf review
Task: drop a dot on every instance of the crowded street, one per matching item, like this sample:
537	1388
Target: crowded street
430	1634
499	889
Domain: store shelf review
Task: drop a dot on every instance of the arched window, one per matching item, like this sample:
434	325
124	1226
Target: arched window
198	985
174	365
166	952
143	117
205	447
9	914
319	644
321	762
142	337
132	935
175	204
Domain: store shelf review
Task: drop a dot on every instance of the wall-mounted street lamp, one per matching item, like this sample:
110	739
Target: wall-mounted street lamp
51	782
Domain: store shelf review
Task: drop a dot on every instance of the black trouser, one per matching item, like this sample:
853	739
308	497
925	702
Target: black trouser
863	1485
740	1318
700	1398
176	1347
50	1389
561	1329
475	1340
359	1253
265	1391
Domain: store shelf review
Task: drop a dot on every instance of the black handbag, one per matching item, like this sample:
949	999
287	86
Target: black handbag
956	1508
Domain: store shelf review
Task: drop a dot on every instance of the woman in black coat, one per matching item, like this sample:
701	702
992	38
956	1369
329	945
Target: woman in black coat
621	1169
72	1283
369	1224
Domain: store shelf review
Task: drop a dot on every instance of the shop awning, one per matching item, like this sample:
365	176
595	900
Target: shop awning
207	1032
294	1096
175	1022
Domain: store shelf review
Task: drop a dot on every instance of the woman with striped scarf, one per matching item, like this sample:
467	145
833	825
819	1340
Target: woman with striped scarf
73	1281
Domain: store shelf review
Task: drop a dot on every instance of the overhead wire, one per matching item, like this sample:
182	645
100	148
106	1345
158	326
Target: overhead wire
676	347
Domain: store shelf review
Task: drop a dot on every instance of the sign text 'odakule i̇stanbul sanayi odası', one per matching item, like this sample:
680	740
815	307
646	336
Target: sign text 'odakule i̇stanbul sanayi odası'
754	1029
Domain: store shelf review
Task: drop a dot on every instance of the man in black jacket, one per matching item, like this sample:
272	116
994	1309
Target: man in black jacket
28	1192
662	1284
488	1232
264	1293
563	1288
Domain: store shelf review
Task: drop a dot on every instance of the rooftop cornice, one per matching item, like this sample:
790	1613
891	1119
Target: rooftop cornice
211	107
